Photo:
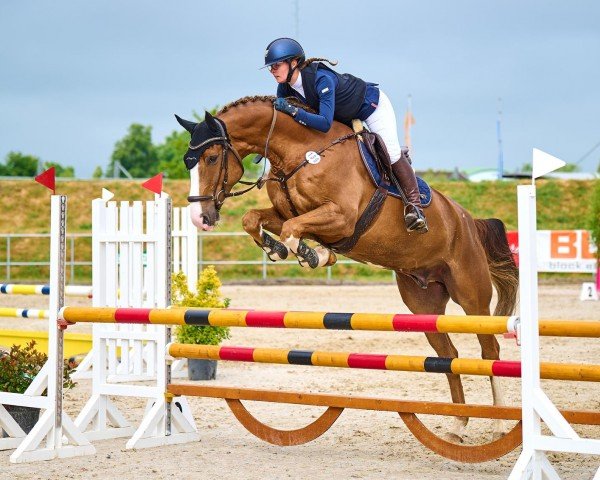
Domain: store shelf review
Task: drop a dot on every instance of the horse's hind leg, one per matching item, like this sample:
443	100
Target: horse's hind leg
255	222
433	300
473	292
490	350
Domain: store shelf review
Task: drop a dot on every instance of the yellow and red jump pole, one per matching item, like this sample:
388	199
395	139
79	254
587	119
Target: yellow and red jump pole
370	361
477	324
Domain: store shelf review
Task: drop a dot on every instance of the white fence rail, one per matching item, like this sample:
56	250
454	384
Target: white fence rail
262	260
555	255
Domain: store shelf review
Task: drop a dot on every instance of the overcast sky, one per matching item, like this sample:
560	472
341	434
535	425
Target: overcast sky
75	74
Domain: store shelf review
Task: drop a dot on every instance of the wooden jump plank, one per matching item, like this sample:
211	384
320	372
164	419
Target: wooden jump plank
370	403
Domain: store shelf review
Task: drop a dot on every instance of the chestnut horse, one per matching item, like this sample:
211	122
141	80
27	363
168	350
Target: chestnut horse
459	258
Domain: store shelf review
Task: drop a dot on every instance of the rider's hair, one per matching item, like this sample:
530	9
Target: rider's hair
308	61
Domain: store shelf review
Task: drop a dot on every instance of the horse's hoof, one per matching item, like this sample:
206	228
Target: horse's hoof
456	432
323	252
500	429
453	437
307	255
275	250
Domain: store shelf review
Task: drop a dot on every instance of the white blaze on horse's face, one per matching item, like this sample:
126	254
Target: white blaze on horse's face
195	207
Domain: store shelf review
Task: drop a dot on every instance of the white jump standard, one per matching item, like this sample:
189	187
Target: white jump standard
54	435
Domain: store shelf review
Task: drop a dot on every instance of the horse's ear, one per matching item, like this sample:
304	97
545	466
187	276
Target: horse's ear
211	122
189	126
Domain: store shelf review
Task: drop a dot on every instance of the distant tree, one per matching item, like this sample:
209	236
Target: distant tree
67	172
170	154
97	172
135	152
18	164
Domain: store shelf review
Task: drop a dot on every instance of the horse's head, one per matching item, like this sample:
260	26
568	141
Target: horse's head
213	172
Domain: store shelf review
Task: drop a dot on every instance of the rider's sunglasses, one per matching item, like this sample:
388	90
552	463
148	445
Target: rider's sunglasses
276	65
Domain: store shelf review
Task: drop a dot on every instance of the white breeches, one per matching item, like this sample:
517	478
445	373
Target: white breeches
383	122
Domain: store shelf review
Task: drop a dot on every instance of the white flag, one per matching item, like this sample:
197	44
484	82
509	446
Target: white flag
544	163
107	195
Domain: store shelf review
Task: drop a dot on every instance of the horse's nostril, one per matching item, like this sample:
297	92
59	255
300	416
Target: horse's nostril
205	219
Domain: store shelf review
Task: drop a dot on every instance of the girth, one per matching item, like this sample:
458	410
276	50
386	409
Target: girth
370	213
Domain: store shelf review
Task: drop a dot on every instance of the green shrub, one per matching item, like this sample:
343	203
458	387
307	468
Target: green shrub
208	295
20	365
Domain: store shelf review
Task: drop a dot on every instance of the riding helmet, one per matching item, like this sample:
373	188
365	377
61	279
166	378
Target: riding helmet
283	49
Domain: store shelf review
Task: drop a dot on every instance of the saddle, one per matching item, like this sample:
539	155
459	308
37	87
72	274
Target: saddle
377	162
376	147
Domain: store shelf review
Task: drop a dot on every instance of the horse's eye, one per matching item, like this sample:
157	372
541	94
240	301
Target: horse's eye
212	159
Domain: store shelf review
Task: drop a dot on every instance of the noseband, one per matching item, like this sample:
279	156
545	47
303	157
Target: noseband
219	195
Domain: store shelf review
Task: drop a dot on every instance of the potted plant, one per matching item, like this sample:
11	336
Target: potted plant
18	367
208	295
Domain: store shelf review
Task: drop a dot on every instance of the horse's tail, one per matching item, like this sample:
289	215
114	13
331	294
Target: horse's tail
504	271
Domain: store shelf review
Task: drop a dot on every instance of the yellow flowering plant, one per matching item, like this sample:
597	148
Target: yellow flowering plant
207	295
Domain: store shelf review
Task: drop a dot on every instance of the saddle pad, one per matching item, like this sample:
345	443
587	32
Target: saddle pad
375	174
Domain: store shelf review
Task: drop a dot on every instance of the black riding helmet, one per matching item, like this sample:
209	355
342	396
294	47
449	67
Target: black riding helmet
284	49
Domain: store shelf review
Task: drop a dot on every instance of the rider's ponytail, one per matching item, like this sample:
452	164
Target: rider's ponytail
308	61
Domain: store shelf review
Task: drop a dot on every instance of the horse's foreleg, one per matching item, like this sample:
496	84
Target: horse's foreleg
255	222
325	221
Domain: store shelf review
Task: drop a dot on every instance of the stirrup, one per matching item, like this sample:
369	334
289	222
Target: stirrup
414	220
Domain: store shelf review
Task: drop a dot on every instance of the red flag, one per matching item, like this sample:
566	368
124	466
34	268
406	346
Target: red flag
154	184
48	179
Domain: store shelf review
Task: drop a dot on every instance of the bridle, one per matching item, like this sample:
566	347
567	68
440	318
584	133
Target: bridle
220	195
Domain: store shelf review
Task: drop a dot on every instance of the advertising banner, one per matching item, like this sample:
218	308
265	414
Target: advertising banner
570	251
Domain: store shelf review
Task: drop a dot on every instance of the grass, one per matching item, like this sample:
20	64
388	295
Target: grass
562	205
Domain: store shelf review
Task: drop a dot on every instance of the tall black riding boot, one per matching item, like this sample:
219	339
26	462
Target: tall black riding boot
413	214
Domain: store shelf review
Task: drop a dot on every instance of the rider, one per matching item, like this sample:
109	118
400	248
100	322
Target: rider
342	97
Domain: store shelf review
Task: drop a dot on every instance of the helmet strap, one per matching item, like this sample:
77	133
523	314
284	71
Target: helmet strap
291	71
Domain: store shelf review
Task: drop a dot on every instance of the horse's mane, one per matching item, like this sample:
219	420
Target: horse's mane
263	98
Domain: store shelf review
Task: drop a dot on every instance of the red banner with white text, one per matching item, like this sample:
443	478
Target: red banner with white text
570	251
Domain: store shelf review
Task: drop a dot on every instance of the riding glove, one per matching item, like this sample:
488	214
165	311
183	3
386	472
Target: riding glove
284	106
